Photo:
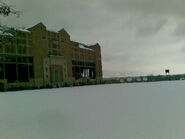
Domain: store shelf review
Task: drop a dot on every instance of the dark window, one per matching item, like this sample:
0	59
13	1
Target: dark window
31	59
31	71
10	72
25	59
43	37
19	59
23	74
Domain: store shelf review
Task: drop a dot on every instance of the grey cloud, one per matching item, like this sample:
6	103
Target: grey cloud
183	49
121	56
137	36
151	28
180	30
169	7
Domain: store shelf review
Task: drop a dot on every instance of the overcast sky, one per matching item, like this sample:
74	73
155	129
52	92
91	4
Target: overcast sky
137	37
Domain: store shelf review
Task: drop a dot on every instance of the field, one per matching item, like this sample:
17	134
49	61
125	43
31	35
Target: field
117	111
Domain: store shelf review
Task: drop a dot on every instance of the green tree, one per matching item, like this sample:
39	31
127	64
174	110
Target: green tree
6	10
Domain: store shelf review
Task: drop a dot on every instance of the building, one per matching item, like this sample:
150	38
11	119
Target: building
38	57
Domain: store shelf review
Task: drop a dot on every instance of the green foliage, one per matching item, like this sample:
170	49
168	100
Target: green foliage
6	10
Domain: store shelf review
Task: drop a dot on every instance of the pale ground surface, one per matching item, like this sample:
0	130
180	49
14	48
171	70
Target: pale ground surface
120	111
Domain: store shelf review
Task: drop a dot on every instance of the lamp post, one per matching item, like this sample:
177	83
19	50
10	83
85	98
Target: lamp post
167	71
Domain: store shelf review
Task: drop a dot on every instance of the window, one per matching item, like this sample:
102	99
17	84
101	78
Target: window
44	37
31	59
19	59
9	49
81	56
21	34
54	52
30	42
22	50
77	56
54	43
31	71
21	41
25	59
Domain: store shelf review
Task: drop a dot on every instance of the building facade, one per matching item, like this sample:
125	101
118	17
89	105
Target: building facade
38	57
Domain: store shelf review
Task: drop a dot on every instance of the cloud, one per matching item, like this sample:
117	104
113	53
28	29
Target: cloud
159	7
179	30
136	36
150	28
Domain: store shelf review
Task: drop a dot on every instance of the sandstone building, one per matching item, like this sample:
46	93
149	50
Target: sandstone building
38	57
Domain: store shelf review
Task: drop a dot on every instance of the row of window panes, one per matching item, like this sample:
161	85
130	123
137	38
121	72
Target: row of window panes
82	63
9	49
13	40
77	56
54	52
18	59
22	50
20	34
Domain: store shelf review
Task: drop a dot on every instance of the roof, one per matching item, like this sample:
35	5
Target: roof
5	34
52	31
6	31
84	47
92	44
38	24
22	30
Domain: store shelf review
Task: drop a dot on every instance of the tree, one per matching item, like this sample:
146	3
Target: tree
6	10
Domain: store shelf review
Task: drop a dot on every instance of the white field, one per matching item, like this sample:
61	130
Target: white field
117	111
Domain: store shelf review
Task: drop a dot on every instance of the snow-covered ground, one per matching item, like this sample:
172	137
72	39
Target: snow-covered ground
117	111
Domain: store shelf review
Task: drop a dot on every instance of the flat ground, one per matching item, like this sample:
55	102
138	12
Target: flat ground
118	111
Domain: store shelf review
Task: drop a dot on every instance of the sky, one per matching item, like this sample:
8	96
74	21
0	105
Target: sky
137	37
